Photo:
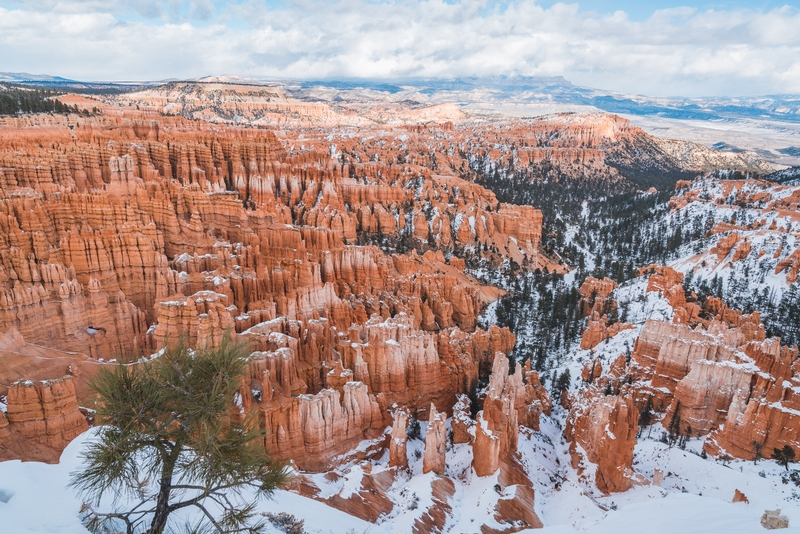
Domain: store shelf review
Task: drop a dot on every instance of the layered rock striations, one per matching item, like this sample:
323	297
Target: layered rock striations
41	418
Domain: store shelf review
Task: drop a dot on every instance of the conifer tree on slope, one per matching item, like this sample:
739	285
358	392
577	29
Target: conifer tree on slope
168	443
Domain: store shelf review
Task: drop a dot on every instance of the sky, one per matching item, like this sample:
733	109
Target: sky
660	48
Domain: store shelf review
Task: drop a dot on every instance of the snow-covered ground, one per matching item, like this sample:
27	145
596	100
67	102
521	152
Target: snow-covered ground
694	497
35	499
749	275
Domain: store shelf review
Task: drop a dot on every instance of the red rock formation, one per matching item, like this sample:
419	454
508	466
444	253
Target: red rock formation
791	265
369	502
766	413
202	319
312	429
397	445
212	101
591	370
602	429
700	369
595	296
597	303
668	282
742	251
4	432
725	245
719	377
516	509
44	412
435	516
435	444
535	393
497	425
705	394
599	329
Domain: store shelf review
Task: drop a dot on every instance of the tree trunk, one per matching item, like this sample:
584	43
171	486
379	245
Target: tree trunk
162	504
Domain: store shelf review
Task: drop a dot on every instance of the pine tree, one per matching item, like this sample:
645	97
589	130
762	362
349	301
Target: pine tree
168	441
757	448
674	428
646	415
563	383
414	430
784	456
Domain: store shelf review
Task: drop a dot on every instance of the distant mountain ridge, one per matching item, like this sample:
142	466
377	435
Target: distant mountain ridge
557	89
26	77
519	89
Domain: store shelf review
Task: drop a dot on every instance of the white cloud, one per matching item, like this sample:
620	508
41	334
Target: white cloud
677	51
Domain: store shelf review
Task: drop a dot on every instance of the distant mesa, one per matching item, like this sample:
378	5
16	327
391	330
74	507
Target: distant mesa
25	77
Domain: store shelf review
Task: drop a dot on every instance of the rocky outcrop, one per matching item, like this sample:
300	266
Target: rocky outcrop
725	245
462	422
791	265
5	433
312	429
497	427
702	397
596	296
434	518
397	446
508	401
714	373
597	304
598	150
433	459
369	502
516	510
602	430
224	102
537	400
772	519
592	370
43	412
669	283
203	319
599	329
46	410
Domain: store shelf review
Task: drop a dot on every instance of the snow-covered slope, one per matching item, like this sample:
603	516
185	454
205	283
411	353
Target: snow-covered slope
695	495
